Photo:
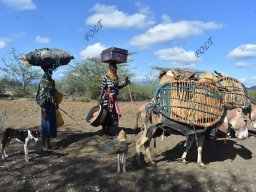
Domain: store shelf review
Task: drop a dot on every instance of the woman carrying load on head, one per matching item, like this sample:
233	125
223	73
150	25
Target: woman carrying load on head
108	98
46	99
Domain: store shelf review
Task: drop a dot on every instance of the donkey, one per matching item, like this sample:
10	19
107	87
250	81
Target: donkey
233	119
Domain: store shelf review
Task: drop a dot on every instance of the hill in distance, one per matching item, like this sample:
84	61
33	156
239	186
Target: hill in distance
252	88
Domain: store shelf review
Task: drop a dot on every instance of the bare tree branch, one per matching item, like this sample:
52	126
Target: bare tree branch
16	71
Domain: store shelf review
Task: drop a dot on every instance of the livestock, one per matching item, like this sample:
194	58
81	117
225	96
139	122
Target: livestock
253	115
233	119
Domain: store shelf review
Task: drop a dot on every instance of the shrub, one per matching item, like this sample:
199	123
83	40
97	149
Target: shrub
252	95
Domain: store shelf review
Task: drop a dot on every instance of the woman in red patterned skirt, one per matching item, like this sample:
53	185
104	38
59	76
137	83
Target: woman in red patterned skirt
109	92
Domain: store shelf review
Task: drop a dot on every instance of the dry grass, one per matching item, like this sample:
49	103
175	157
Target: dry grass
84	162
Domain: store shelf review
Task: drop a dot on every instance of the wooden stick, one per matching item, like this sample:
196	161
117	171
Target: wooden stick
71	118
130	93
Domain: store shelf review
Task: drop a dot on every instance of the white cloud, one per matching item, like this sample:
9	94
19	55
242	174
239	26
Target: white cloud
178	56
111	17
40	39
172	30
245	51
4	41
60	75
166	18
249	82
19	35
243	65
145	9
2	44
57	75
92	51
19	4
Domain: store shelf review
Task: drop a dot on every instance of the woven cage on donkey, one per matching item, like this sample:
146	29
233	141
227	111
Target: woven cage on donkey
233	91
193	103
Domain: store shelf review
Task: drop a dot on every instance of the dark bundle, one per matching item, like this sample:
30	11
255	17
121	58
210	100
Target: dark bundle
47	57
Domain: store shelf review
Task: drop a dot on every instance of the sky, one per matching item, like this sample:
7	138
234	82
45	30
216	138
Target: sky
163	33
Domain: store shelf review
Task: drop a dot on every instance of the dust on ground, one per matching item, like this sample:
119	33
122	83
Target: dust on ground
82	159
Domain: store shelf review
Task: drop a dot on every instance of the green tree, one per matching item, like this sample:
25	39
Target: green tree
84	79
6	85
152	82
16	71
252	95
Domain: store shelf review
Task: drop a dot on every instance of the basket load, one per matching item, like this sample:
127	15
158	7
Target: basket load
191	102
233	91
47	57
178	74
58	97
59	119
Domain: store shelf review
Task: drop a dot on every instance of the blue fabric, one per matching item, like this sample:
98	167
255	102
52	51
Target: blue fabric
48	124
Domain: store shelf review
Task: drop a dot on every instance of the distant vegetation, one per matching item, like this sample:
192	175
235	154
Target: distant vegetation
82	81
252	95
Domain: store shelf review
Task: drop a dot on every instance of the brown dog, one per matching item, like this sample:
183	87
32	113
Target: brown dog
122	150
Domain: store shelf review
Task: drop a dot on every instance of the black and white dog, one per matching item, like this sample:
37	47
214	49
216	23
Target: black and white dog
24	136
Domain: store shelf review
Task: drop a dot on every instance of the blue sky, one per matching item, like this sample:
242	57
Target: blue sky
162	33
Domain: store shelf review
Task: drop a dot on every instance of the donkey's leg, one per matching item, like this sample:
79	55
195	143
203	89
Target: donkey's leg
189	142
145	140
150	134
201	138
141	141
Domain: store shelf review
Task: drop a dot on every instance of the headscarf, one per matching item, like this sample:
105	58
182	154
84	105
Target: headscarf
47	77
112	72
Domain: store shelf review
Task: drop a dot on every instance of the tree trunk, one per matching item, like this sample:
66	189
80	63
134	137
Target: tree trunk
23	91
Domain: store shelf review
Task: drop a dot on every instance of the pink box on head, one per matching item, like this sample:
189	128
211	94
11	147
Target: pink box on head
114	54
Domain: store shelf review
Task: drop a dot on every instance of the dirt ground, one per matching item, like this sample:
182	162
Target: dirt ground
83	158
